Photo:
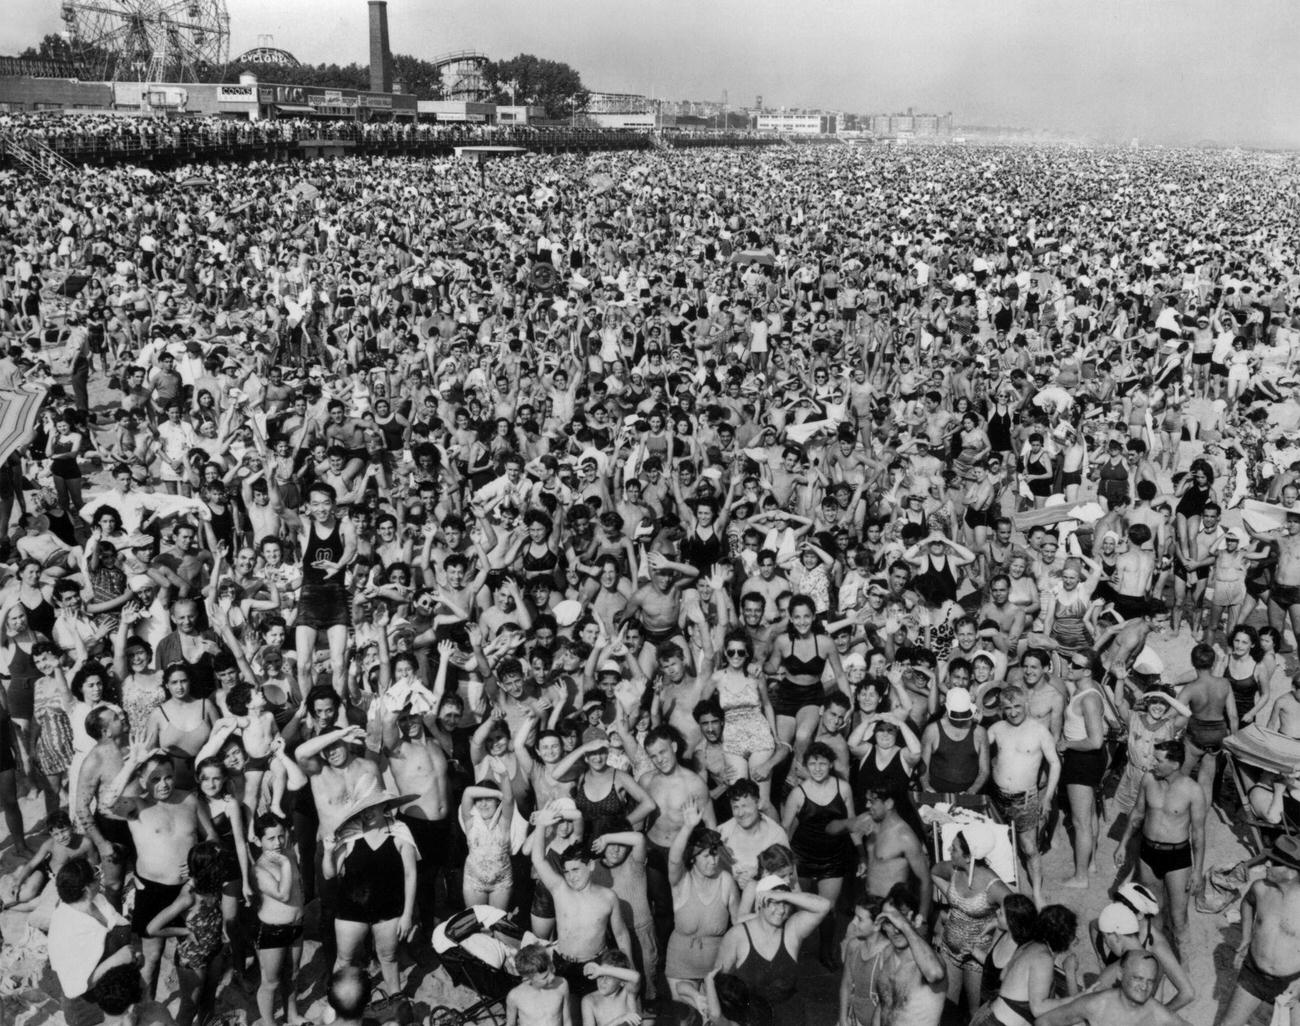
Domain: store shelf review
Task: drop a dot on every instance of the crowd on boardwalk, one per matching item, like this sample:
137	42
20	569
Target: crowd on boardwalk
621	570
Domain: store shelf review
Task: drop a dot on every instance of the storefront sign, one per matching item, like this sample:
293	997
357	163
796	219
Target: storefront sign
383	102
235	94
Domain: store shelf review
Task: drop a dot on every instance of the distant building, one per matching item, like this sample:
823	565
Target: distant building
797	124
617	103
909	125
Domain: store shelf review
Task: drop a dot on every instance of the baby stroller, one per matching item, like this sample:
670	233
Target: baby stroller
477	948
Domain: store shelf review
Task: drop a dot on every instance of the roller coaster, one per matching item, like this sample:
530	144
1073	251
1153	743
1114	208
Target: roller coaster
464	75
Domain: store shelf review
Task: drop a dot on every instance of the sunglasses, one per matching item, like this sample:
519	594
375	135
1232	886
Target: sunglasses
736	652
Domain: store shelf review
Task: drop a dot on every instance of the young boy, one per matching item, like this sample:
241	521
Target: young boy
543	998
622	868
255	724
279	920
33	884
616	1001
862	942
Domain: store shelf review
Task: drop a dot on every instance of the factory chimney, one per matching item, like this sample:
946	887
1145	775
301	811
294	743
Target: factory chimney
381	60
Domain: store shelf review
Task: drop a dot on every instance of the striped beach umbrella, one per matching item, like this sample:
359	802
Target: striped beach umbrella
20	409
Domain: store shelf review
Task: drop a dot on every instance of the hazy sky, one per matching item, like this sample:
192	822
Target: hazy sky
1168	70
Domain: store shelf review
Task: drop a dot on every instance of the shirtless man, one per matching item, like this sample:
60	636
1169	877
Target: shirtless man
1045	697
673	788
1021	747
659	602
1134	569
1285	719
105	825
1268	957
338	776
584	912
679	693
347	433
1171	812
1214	717
893	851
165	824
910	977
1284	597
419	767
999	608
769	583
1129	1004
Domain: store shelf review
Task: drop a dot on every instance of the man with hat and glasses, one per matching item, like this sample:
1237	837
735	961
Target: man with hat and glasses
1268	957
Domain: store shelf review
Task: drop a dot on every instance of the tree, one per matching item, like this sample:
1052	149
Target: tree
549	84
423	78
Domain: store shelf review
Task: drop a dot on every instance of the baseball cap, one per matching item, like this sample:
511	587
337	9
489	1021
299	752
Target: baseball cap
957	704
1117	918
595	734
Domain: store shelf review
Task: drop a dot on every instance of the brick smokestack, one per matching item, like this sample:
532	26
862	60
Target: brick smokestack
381	60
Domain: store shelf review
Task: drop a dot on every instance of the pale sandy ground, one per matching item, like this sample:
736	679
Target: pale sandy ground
1210	956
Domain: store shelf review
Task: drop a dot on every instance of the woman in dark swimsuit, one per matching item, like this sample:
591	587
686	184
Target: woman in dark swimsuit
1197	490
602	790
35	599
1026	983
1018	919
881	765
764	952
228	820
537	554
816	818
799	658
705	541
374	859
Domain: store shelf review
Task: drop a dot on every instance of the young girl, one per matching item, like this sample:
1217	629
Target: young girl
197	953
486	809
228	818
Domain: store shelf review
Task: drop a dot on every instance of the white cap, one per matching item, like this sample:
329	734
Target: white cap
567	613
1117	918
957	704
771	882
611	666
1140	898
854	660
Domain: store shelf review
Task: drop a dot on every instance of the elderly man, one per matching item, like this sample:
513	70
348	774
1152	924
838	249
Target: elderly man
1268	957
1129	1004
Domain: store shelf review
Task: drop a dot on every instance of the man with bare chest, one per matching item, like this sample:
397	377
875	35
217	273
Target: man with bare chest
1214	717
910	979
1171	814
165	824
1021	748
894	853
673	787
419	767
585	912
95	815
338	776
1268	957
1044	696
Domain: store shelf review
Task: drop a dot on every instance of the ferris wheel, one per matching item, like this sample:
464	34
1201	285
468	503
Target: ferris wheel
149	40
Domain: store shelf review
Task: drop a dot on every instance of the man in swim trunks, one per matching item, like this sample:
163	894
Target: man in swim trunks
1268	957
1214	717
1284	596
1023	745
1171	813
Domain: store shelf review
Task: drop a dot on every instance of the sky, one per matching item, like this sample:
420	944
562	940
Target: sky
1165	71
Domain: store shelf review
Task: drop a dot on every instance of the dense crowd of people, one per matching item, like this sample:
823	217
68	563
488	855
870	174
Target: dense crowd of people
635	569
79	133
